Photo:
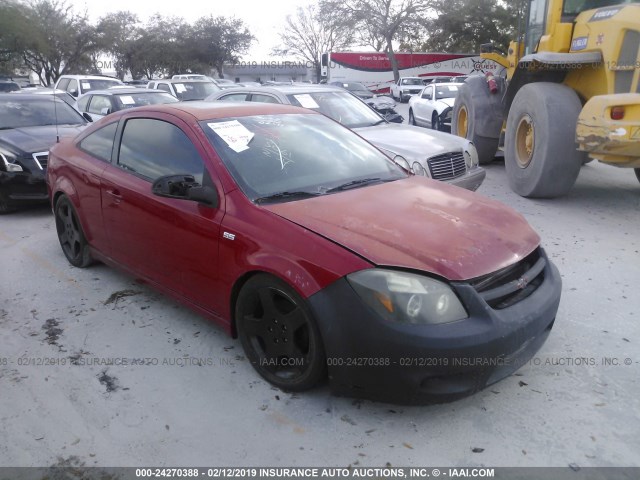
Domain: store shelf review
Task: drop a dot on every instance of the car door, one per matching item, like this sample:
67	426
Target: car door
173	242
99	106
422	111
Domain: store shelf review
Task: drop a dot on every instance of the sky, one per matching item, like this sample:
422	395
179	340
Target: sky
264	18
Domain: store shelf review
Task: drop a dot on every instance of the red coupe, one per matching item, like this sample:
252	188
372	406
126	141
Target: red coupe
320	253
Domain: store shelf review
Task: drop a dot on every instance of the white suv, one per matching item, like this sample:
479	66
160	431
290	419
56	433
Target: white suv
78	85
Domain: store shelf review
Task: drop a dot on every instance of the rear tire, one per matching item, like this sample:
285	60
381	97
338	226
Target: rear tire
541	159
70	234
475	106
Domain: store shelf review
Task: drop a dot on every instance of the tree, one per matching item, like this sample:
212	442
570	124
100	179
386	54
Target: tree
310	33
463	25
219	40
380	22
117	33
13	28
59	41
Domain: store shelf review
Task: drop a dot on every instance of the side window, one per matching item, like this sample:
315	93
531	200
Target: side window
98	102
256	97
83	102
99	143
62	84
72	88
164	87
151	85
235	97
154	148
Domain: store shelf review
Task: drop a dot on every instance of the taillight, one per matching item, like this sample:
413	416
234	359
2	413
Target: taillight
617	113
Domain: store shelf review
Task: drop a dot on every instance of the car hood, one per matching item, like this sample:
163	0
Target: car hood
420	224
449	102
381	100
27	140
413	143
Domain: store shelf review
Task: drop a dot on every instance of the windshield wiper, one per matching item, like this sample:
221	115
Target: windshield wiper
285	196
355	183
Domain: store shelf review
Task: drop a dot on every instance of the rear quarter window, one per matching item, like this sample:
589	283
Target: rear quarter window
99	144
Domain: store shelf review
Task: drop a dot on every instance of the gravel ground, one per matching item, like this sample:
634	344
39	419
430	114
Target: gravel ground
192	398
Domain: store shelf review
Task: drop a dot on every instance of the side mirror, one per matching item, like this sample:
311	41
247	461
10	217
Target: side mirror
105	111
74	92
87	117
185	187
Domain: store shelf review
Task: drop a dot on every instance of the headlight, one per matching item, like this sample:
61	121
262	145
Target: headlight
407	297
9	164
470	155
400	160
418	169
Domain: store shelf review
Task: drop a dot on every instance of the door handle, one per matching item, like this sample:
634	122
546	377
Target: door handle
115	194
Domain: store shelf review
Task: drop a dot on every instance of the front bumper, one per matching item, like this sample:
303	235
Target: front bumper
409	364
470	180
21	188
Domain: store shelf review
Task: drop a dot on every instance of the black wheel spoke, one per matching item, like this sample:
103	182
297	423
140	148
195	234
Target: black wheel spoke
254	327
294	320
268	305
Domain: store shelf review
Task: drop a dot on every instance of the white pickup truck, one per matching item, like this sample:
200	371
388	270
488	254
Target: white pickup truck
405	87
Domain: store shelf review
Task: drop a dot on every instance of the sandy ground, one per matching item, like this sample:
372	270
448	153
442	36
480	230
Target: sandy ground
192	399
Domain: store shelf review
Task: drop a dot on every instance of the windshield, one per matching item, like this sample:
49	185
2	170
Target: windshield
574	7
341	106
130	100
295	153
9	87
446	91
101	84
195	90
355	87
19	112
412	81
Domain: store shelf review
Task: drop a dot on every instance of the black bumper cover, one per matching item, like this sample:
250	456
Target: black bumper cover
21	188
369	357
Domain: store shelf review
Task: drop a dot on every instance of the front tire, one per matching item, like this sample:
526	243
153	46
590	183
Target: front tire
412	120
5	205
475	117
279	334
70	234
637	170
541	159
435	121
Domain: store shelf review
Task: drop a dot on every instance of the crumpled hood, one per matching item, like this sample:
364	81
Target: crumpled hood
447	102
420	224
413	143
28	140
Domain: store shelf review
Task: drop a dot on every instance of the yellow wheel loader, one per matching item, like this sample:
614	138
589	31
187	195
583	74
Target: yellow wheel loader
570	94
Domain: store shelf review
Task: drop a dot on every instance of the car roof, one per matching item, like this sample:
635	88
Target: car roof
123	91
211	110
286	89
182	80
90	77
22	96
445	84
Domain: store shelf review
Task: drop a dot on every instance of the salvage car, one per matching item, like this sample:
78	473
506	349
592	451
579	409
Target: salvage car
405	87
432	107
78	85
103	102
323	256
185	90
440	156
382	104
29	125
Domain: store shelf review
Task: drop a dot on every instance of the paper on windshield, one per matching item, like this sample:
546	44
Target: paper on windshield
453	88
127	100
180	88
86	85
236	135
306	101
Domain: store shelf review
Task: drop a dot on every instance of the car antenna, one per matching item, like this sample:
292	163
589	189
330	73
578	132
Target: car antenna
55	113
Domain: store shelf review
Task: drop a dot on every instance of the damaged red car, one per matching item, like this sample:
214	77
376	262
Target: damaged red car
323	256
